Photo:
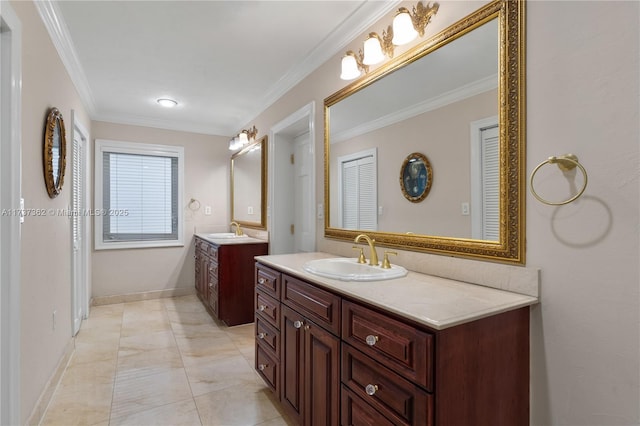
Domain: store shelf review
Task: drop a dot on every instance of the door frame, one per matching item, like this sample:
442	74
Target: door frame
10	193
475	139
78	129
306	112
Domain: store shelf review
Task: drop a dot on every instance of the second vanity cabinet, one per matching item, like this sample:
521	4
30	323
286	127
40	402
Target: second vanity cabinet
224	278
333	360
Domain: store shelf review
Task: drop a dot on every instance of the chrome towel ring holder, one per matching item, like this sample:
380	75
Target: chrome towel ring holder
194	205
565	163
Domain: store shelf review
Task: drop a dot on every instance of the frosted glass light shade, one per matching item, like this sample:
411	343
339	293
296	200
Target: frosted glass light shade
372	51
349	68
243	139
233	144
403	31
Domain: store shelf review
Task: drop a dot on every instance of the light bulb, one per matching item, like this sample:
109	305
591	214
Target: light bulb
349	67
403	31
372	50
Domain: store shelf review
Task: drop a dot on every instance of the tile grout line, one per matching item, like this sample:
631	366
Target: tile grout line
182	361
115	374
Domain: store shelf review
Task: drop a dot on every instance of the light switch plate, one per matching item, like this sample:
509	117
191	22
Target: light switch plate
207	210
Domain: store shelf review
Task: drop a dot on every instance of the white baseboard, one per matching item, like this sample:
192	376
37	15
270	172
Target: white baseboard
47	393
146	295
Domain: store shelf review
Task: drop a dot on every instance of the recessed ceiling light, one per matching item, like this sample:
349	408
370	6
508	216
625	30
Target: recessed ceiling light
168	103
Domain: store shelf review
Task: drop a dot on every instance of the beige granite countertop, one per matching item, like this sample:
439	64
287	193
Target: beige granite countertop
229	241
436	302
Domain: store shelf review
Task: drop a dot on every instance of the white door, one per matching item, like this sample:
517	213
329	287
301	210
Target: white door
485	179
78	219
303	205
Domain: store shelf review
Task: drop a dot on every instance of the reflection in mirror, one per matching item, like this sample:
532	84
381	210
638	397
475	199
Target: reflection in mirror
248	185
427	107
54	152
442	99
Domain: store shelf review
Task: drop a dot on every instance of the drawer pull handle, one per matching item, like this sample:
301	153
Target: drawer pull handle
298	324
371	340
261	367
262	308
371	389
261	280
306	327
262	335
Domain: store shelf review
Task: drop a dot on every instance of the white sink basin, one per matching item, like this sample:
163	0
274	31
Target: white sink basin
225	235
347	269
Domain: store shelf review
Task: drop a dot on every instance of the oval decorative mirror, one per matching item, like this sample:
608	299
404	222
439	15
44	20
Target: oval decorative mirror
416	176
248	185
55	150
460	96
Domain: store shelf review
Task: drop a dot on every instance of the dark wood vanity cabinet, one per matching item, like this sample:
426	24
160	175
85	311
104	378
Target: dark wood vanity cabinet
224	279
331	360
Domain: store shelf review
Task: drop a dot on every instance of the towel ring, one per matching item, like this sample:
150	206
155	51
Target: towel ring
193	202
565	163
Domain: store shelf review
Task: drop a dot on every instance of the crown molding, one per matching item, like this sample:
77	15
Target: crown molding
366	15
52	19
157	123
475	88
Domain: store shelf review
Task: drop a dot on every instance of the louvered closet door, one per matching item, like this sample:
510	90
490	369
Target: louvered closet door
77	228
490	141
359	194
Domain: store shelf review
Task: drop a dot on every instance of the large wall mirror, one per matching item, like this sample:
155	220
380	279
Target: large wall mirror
248	185
457	98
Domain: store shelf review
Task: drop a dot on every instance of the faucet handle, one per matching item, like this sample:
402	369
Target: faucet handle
385	262
361	258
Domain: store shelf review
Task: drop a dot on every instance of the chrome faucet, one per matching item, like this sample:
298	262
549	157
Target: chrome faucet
373	258
239	232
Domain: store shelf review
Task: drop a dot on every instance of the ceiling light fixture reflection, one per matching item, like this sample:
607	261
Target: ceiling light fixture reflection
167	103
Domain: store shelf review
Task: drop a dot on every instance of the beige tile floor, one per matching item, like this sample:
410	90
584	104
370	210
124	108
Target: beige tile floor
162	362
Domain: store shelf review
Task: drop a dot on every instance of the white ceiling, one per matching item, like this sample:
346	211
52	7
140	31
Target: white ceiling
223	61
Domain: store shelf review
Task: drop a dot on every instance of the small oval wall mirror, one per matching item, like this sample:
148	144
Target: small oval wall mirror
416	176
55	149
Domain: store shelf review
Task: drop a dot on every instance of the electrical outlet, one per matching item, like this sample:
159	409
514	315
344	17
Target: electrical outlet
465	209
54	320
320	211
250	210
207	210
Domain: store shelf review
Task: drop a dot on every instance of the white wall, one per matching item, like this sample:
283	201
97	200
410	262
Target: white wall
207	169
582	97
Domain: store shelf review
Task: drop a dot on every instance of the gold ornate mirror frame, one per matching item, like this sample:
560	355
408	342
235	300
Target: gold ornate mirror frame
236	187
510	15
55	153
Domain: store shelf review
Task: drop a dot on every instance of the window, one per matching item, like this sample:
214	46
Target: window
138	193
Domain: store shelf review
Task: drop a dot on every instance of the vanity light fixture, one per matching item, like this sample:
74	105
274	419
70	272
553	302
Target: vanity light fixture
167	103
406	27
243	138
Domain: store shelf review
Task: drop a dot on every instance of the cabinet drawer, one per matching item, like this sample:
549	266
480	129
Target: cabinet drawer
268	280
401	347
267	368
397	398
267	337
268	308
319	305
356	412
212	250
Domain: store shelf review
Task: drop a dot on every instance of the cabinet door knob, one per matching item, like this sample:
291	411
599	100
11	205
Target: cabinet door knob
261	367
210	285
298	324
262	308
371	389
261	280
371	340
262	335
306	327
